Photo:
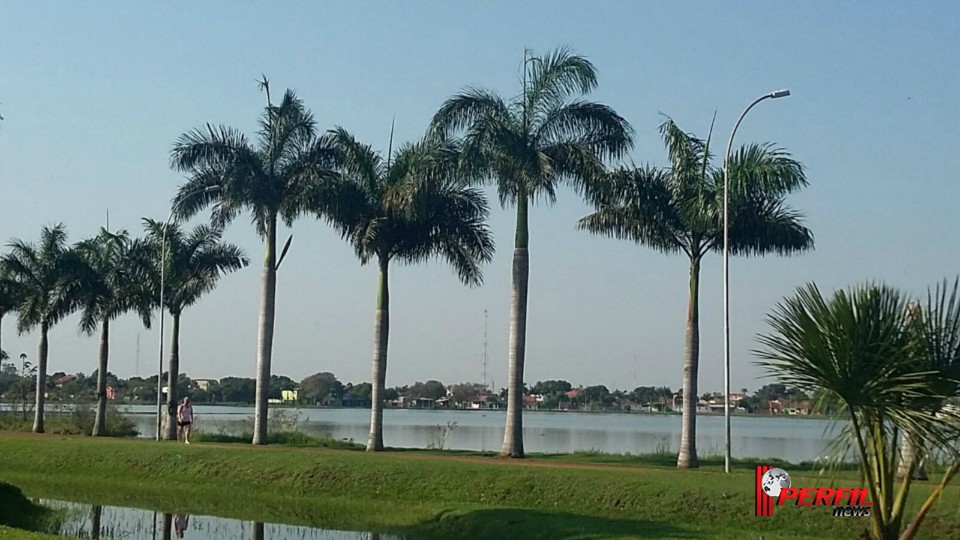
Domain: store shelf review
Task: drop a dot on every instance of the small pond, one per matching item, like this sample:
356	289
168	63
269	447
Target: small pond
80	520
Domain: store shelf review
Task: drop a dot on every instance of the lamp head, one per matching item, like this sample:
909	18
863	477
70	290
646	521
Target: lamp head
780	93
214	189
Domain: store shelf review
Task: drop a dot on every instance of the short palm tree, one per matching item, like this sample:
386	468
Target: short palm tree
194	264
680	210
527	146
277	178
43	275
411	207
886	372
108	285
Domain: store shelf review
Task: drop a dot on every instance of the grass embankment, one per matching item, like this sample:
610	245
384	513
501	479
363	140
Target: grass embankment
18	513
421	495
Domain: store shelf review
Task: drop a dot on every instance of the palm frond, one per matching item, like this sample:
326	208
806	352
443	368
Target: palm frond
469	107
635	204
555	77
763	168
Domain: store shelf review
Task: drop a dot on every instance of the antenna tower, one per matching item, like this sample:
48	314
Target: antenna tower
484	349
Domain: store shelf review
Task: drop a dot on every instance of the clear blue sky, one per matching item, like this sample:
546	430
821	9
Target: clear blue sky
95	93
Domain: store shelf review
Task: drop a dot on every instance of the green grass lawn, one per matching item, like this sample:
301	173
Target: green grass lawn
427	495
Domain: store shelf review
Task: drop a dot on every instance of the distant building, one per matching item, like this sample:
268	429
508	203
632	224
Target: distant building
60	381
204	384
288	396
486	402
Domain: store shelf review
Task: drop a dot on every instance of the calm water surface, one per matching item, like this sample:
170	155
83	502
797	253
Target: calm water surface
89	521
790	438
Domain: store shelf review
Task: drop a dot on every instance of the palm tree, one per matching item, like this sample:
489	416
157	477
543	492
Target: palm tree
194	264
886	373
528	145
42	274
409	208
8	303
108	285
279	177
680	210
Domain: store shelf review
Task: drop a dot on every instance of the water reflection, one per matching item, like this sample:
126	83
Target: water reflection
167	520
92	521
180	524
95	516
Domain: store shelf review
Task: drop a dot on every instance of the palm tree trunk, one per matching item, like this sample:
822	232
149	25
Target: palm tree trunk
513	432
95	518
381	333
173	375
41	378
908	454
687	457
167	526
268	299
100	423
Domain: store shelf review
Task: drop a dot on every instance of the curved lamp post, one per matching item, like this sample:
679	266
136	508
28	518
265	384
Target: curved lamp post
726	273
163	266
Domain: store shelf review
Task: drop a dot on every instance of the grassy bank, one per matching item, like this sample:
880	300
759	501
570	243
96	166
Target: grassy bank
19	516
421	495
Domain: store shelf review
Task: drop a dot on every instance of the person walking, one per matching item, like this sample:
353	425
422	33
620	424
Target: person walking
184	420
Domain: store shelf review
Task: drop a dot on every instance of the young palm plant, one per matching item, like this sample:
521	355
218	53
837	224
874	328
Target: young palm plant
410	208
194	263
42	274
527	146
277	178
680	210
107	286
887	373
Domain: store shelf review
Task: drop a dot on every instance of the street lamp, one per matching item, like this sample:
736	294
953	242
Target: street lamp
726	272
23	395
163	266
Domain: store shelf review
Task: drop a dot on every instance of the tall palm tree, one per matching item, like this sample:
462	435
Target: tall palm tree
527	146
43	274
194	264
409	208
108	285
680	210
886	374
276	178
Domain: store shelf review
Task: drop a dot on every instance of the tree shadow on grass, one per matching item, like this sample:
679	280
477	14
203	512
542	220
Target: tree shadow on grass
535	524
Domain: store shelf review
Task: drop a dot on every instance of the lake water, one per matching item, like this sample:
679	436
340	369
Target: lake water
794	439
89	521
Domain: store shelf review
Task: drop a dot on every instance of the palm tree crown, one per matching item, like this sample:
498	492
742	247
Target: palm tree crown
41	274
109	283
411	207
194	262
279	176
680	208
547	134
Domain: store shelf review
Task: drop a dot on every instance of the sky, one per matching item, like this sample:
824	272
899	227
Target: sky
94	94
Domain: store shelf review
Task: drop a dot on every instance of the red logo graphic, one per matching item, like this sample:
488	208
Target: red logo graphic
773	482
